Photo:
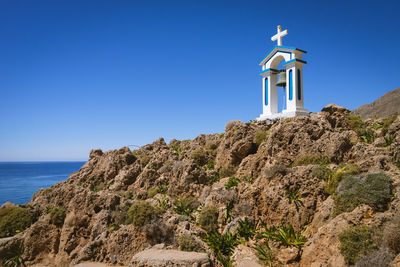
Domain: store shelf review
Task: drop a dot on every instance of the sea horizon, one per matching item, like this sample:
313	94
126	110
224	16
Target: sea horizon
19	180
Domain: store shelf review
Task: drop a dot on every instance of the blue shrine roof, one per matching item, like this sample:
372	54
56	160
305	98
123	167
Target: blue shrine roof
283	48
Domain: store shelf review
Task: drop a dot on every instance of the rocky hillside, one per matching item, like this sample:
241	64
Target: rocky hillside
383	107
307	191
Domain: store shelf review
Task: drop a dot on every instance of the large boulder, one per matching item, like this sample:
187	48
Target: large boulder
159	257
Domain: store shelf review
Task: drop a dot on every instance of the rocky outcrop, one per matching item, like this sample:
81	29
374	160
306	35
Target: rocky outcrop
159	257
264	172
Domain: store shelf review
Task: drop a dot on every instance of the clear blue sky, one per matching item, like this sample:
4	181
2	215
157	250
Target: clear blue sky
77	75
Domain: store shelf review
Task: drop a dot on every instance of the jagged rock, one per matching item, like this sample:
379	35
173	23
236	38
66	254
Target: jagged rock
97	198
158	257
245	257
8	245
322	249
288	255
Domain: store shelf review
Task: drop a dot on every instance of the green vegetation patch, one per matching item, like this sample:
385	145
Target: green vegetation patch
355	242
144	160
188	242
232	182
57	215
99	187
264	254
185	206
199	156
208	218
366	134
310	159
12	256
14	220
322	172
338	175
284	234
227	171
222	245
387	122
373	189
141	212
246	229
260	137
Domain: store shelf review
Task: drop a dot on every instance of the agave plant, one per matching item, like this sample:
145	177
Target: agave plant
163	202
222	245
268	232
287	236
294	197
228	211
246	229
264	254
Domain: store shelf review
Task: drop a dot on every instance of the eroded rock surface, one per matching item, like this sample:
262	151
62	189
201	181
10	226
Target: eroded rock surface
272	188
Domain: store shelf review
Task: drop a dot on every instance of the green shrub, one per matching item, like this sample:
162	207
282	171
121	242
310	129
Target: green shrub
177	150
366	134
163	202
12	257
98	187
355	123
293	197
120	215
210	165
57	215
260	137
187	242
246	229
322	172
199	156
248	179
228	211
212	145
113	227
208	218
387	122
388	141
287	236
151	192
213	179
355	242
338	175
264	254
310	159
227	171
232	182
14	220
185	205
373	189
141	212
222	245
144	160
284	234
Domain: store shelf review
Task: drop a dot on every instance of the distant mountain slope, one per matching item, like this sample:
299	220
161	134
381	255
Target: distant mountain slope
384	106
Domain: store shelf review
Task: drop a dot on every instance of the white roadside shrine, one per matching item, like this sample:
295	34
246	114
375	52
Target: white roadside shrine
290	78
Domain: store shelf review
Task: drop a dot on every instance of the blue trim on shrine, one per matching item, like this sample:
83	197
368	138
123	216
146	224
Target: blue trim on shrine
267	70
295	59
290	85
266	91
298	85
284	47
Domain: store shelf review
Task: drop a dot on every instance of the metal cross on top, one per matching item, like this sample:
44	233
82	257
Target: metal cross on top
279	35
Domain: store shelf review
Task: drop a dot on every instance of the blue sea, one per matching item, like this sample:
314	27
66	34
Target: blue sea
20	180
